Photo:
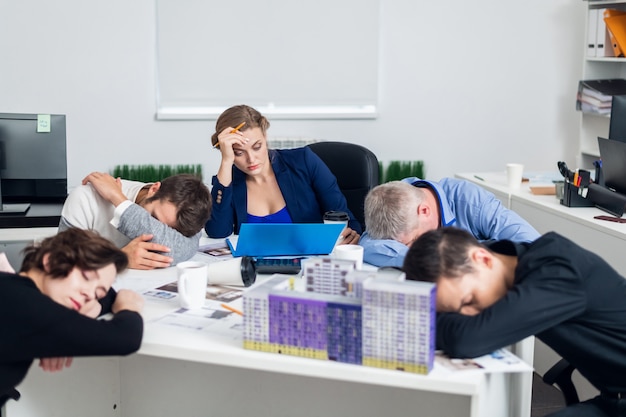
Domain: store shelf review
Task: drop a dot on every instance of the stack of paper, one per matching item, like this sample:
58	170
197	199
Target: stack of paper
594	96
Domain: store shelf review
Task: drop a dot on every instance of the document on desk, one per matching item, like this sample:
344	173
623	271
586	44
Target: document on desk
221	293
212	318
500	360
219	250
141	281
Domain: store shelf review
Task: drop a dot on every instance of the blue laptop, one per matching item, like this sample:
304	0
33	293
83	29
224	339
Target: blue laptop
285	239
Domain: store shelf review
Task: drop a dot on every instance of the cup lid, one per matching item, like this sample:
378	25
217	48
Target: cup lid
337	216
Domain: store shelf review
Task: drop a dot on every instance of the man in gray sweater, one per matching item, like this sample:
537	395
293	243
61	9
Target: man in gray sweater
157	224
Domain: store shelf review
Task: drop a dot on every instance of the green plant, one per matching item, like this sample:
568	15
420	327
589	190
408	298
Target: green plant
152	173
397	170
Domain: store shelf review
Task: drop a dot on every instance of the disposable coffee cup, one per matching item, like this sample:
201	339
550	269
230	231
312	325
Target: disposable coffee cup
514	173
192	283
237	271
337	217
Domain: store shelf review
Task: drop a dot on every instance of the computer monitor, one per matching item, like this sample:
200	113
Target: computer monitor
613	154
617	125
33	161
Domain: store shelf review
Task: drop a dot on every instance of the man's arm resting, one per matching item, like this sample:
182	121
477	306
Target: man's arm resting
382	252
526	310
135	221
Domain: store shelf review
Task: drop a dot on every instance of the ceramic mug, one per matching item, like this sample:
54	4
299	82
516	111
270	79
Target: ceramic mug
192	283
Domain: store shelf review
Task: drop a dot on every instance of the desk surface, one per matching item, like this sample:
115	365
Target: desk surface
176	343
210	370
496	182
38	215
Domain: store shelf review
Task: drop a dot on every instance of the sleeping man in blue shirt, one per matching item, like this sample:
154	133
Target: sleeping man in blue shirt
398	212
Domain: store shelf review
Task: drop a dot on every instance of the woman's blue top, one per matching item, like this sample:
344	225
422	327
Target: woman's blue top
281	216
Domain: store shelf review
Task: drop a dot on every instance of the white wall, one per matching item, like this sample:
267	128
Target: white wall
465	86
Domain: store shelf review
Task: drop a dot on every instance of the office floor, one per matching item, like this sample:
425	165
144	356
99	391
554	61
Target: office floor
546	399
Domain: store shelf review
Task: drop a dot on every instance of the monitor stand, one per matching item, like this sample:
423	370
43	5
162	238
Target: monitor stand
14	208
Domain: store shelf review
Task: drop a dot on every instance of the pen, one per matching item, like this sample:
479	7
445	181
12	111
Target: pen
479	178
234	310
235	130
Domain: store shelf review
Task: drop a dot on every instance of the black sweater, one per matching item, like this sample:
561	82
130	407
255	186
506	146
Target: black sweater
34	326
568	297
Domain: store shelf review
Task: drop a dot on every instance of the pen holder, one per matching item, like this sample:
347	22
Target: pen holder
572	197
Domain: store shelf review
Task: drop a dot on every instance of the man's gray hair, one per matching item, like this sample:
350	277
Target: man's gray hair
391	210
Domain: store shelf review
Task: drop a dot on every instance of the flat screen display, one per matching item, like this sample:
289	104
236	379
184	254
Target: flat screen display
613	155
33	161
617	124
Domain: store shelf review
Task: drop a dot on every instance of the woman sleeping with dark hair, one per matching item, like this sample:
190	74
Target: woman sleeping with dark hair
49	308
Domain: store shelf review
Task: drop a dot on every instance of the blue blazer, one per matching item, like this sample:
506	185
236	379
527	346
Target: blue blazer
307	185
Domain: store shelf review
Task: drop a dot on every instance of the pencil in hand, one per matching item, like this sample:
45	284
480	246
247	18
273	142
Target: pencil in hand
235	130
239	126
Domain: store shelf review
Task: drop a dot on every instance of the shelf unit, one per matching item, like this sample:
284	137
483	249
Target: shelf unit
594	125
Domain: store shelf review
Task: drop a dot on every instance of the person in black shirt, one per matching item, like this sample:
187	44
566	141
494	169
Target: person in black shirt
48	310
494	295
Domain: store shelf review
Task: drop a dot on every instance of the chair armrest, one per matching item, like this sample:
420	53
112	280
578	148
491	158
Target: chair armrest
561	375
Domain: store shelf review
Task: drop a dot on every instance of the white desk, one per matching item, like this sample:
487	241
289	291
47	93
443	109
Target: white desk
183	373
14	240
545	213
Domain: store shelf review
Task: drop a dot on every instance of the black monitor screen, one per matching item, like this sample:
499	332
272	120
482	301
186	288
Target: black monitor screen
33	164
613	154
617	125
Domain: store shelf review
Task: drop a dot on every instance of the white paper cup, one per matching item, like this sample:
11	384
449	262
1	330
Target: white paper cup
337	217
192	283
514	174
351	253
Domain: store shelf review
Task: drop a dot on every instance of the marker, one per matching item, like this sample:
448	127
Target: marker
235	130
229	308
479	178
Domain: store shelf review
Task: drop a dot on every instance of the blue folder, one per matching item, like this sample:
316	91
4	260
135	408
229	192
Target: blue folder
285	239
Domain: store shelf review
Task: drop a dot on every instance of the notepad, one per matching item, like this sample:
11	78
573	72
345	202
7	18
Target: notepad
285	239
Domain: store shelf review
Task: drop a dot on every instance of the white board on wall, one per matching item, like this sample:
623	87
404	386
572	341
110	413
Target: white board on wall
289	59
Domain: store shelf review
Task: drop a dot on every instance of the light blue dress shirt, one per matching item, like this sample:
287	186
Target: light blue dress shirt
462	204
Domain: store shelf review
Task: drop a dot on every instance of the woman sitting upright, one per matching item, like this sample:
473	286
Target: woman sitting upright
257	184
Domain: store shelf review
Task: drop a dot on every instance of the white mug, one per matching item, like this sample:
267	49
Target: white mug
351	253
192	283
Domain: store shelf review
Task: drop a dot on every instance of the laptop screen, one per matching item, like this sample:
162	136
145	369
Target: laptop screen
613	155
285	239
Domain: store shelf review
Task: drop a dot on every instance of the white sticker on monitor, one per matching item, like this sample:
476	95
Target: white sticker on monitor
43	123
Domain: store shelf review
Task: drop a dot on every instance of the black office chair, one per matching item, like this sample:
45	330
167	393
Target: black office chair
561	375
356	169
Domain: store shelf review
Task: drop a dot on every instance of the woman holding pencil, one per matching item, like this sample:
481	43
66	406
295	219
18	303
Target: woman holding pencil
255	184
